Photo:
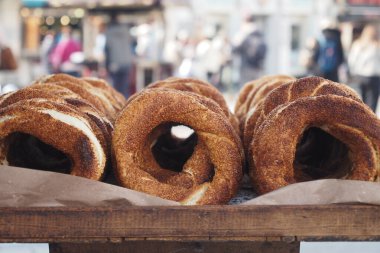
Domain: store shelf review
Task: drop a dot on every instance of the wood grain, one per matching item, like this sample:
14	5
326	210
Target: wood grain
182	247
209	223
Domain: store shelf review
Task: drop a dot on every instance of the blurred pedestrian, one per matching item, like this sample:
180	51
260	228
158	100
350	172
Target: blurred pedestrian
185	48
212	54
330	51
364	65
251	48
97	67
309	57
62	53
100	43
48	44
119	54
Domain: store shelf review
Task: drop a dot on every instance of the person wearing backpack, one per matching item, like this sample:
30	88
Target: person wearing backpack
330	53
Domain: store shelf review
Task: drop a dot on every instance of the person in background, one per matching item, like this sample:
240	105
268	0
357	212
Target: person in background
61	54
330	51
99	52
185	49
119	54
47	45
213	53
364	65
309	57
251	48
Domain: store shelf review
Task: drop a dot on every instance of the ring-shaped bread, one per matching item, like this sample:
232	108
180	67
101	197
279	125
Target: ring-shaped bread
249	91
94	92
59	94
199	159
117	99
60	126
201	88
288	92
153	107
276	139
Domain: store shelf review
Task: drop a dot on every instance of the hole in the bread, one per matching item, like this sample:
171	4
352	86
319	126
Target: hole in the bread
27	151
181	131
320	155
174	146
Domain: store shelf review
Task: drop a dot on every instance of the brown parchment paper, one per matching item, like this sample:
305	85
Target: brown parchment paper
321	192
21	187
31	188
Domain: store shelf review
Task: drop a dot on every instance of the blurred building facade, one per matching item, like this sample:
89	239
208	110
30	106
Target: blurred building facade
159	26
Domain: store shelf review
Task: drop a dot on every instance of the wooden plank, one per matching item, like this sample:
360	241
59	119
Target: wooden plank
339	238
127	239
183	247
203	223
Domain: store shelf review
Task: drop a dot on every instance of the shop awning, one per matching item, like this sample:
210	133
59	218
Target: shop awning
100	3
34	3
360	10
363	7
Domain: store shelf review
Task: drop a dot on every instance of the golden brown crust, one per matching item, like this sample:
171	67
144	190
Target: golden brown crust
290	91
95	117
59	91
39	91
274	145
255	104
196	170
308	86
193	85
83	92
156	106
117	100
250	125
201	88
76	113
93	91
117	97
243	95
261	88
267	87
246	95
58	94
249	91
275	123
34	117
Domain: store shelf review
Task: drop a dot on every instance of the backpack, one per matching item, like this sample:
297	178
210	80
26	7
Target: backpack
254	50
329	58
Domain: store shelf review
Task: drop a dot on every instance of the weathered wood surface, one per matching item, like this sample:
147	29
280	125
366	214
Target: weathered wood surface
182	247
210	223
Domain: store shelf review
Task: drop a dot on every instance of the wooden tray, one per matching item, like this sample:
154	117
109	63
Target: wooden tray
191	229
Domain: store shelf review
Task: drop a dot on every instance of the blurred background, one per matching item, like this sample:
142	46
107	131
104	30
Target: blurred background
134	42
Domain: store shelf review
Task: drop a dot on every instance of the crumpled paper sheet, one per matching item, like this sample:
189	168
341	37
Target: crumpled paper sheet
322	192
33	188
